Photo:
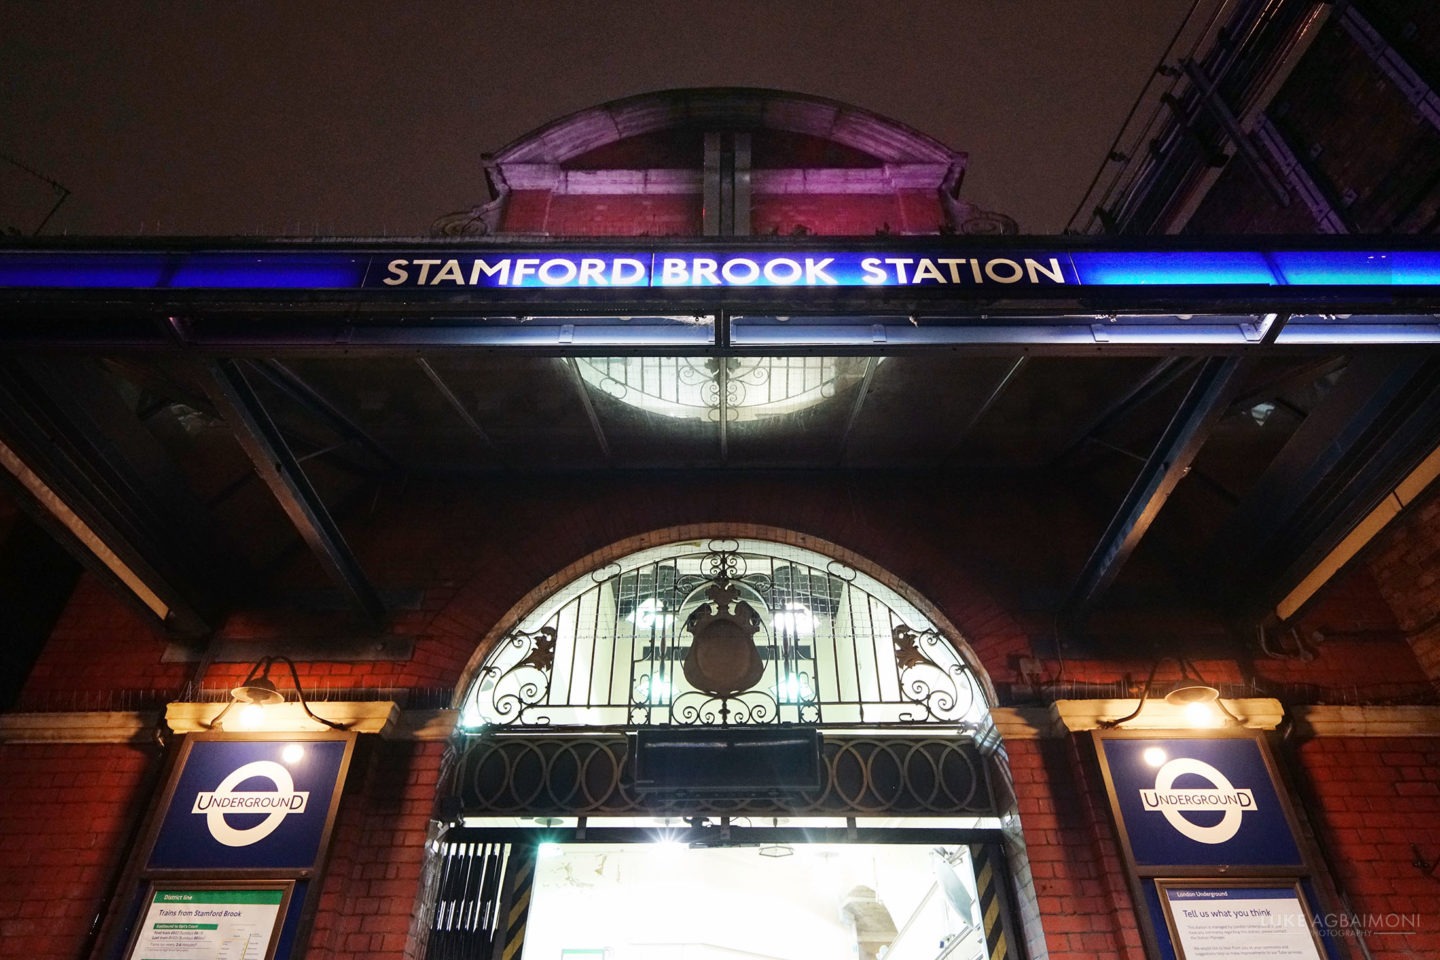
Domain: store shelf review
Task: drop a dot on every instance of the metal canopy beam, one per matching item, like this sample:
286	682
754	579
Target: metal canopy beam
294	386
993	397
85	468
1153	381
457	405
860	394
1205	402
277	466
1367	432
594	418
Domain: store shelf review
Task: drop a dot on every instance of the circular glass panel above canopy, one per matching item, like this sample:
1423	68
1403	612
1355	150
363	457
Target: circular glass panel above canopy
699	388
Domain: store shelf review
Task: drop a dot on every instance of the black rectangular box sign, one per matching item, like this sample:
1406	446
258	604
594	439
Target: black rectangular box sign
727	762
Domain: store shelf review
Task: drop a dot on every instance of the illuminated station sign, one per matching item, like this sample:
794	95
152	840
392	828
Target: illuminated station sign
1063	294
953	267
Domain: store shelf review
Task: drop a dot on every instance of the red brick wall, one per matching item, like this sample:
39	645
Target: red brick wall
662	215
591	215
839	215
1406	567
1375	802
526	211
470	566
368	896
1079	880
67	813
100	647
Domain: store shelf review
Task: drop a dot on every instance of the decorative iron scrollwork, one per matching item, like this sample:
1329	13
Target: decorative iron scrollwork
726	632
525	684
945	693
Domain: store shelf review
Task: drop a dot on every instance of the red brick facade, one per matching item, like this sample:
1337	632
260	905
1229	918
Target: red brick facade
68	811
476	570
68	816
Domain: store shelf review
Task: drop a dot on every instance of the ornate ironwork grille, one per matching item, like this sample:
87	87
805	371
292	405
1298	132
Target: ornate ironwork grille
591	775
619	648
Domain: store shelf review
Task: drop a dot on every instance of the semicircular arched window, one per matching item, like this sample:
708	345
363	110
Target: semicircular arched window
726	632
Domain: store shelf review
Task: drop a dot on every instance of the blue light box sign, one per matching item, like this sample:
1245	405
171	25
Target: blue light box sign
450	269
1198	801
245	804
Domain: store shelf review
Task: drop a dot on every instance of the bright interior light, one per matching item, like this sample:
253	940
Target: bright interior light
669	846
470	716
793	689
688	388
548	849
1200	714
292	753
649	613
795	620
251	716
1154	756
655	690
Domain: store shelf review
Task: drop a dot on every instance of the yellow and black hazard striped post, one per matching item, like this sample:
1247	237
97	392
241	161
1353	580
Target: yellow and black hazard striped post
517	909
992	911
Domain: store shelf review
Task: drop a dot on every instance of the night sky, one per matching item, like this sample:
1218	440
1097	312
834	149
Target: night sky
368	119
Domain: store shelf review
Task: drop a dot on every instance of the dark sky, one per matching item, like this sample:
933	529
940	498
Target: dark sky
369	118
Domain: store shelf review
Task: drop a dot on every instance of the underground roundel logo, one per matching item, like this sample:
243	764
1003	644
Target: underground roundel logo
275	805
1221	797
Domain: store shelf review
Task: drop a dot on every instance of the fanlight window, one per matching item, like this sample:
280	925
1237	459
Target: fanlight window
745	388
725	633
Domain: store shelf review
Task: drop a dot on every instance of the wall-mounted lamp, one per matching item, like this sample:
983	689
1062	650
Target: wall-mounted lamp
1196	697
257	691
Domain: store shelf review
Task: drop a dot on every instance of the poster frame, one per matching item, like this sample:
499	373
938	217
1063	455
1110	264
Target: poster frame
1164	884
155	884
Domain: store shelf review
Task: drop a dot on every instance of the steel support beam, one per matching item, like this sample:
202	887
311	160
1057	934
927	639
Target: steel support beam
1205	402
988	404
1220	110
1159	377
590	414
1380	418
456	404
277	465
84	467
854	418
294	386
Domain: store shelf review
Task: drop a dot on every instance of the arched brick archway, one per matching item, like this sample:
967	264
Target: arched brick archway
562	720
488	605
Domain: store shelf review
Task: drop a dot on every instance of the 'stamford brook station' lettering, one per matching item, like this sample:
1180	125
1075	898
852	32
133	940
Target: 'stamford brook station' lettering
958	270
722	270
518	272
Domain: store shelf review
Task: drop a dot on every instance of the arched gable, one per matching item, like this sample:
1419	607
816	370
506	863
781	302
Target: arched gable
723	161
731	109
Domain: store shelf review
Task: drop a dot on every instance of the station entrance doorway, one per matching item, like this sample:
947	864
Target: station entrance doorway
771	893
726	750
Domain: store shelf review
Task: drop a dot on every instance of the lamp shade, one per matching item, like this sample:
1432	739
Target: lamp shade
260	691
1192	693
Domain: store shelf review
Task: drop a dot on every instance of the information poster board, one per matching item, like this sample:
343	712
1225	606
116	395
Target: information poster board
239	921
1227	921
